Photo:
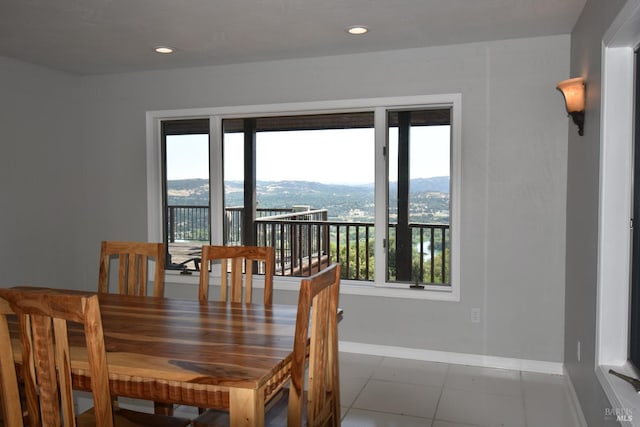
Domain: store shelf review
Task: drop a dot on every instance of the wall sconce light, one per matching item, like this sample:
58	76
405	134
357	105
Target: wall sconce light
573	92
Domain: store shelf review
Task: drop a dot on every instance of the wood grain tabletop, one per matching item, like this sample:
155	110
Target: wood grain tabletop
189	352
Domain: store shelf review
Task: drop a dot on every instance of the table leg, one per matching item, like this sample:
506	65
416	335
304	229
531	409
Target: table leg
162	408
246	407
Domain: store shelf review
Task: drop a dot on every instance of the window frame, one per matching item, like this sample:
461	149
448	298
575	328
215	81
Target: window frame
614	244
188	127
379	106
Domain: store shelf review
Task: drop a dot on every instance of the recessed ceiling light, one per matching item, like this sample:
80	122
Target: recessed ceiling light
164	49
357	30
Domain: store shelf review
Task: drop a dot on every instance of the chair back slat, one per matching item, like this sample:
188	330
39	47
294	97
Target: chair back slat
236	271
45	364
9	391
63	363
133	264
43	317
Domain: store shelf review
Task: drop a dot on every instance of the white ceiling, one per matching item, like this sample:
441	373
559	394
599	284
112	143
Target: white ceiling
110	36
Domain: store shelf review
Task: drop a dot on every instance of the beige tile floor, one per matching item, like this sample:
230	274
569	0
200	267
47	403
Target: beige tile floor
388	392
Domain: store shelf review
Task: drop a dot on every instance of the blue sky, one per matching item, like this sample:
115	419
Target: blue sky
341	156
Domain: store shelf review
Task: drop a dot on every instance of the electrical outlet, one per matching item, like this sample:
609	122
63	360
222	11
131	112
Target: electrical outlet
475	315
578	351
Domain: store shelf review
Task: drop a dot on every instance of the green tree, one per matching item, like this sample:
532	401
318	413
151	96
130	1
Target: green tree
359	265
438	278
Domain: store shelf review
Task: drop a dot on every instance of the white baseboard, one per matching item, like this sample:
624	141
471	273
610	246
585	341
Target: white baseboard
526	365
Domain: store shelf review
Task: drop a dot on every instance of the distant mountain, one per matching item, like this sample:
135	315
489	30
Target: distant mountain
438	183
188	192
430	197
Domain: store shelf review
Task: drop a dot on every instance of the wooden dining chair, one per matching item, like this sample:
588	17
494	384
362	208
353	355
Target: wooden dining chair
43	317
320	404
234	261
133	267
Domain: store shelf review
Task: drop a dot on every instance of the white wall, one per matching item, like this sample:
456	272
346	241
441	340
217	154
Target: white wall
514	158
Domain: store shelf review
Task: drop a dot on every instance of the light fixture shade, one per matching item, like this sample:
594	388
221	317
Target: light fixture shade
164	49
357	30
573	91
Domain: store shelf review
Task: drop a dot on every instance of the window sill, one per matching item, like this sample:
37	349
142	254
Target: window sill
625	406
353	288
347	287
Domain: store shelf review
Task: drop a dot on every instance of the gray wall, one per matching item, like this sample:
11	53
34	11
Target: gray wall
582	212
39	175
514	157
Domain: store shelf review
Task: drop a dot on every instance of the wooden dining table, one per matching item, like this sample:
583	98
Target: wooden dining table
204	354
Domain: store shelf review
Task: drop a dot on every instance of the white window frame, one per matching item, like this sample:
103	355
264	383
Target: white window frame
616	175
379	106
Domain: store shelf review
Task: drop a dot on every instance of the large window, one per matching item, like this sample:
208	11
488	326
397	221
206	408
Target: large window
373	189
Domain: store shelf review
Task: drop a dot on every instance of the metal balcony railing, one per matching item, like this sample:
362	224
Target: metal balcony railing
306	241
187	223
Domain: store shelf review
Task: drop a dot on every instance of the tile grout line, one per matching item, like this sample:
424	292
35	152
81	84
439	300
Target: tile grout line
363	387
524	401
444	381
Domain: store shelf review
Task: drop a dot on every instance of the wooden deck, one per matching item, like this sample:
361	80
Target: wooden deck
184	253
